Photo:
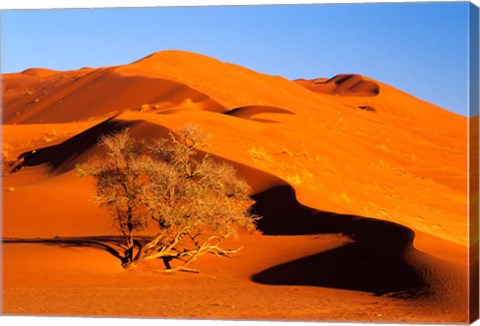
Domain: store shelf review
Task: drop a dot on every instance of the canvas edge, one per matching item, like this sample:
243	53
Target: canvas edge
473	164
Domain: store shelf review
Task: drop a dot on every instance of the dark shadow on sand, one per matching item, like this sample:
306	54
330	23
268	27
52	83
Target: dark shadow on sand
376	262
114	245
57	155
111	244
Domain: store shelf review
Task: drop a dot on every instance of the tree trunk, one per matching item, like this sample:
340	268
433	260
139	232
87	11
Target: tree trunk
166	262
130	242
129	253
134	262
129	265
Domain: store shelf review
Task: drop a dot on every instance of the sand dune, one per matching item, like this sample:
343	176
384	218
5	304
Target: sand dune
363	195
83	95
251	112
39	72
65	156
346	85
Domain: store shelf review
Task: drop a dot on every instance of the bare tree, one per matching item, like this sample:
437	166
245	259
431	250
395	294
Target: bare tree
191	201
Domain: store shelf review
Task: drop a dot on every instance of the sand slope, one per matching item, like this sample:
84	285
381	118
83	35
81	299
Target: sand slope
356	180
345	85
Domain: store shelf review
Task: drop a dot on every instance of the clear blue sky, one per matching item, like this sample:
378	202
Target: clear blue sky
420	48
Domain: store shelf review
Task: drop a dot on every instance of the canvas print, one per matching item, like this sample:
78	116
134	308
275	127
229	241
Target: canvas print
283	162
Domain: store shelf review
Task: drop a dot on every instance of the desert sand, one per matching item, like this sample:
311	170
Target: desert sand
362	189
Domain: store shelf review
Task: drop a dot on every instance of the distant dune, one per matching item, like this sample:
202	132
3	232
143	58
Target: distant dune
363	189
347	85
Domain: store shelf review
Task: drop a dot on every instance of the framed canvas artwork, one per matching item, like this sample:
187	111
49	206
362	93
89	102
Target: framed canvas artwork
268	162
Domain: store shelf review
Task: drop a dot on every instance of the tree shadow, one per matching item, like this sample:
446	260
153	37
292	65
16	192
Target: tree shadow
378	261
114	245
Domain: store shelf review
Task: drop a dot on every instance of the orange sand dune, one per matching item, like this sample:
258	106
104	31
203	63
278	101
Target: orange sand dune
39	72
84	95
248	112
363	194
347	85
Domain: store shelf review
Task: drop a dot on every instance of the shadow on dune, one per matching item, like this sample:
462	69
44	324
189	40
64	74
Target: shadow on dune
114	245
343	85
378	261
64	156
111	244
249	112
58	155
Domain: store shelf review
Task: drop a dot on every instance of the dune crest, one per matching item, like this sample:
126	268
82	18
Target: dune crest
345	85
40	72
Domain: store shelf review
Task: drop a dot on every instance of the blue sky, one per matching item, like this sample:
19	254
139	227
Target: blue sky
420	48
